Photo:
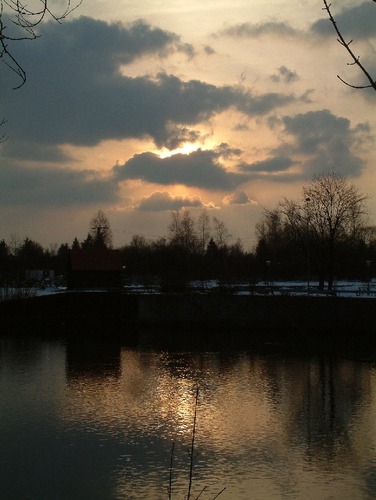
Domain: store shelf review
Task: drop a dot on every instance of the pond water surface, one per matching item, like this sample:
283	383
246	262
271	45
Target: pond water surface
96	420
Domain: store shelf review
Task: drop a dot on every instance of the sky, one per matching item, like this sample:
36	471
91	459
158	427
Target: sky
140	108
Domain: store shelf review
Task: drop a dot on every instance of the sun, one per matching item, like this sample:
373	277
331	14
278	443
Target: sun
185	149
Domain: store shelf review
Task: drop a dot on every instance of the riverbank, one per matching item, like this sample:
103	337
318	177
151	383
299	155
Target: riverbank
303	323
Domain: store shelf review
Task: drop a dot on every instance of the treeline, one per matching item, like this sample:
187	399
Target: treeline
326	235
290	256
323	237
194	249
191	252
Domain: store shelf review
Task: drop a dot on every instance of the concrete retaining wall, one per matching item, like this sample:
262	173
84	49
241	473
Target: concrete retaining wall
332	325
313	323
260	312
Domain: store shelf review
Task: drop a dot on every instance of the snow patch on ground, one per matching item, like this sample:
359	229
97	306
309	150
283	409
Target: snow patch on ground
287	288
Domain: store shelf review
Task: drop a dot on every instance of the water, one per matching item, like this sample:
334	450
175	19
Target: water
88	420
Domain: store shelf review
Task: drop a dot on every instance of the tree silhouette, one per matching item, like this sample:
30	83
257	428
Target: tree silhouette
182	231
100	231
31	255
332	211
221	234
75	244
203	229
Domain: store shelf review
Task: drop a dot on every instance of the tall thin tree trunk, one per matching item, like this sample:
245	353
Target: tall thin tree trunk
331	264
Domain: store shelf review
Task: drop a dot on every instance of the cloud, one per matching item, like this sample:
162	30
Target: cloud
75	91
176	136
208	49
162	201
241	127
285	75
327	142
262	104
44	186
187	49
96	42
315	142
239	198
78	91
224	150
25	150
270	165
249	30
198	169
358	22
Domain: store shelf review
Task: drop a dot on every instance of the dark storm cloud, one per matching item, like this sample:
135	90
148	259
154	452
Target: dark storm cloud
198	169
358	22
45	186
249	30
162	201
328	142
76	93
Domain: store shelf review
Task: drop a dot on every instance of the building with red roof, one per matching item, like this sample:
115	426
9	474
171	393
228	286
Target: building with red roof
94	268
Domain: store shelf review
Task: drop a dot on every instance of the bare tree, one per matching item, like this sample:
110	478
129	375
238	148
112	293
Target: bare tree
15	243
221	234
19	21
203	225
100	230
182	231
174	228
271	226
355	60
270	231
139	242
332	211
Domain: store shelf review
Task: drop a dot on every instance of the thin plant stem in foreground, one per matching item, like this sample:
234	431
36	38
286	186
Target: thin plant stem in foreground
192	457
171	469
191	454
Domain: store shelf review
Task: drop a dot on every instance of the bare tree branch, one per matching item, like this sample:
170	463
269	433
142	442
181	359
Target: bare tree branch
355	59
3	136
25	20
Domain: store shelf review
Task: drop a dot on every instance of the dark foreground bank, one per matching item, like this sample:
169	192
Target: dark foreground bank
333	325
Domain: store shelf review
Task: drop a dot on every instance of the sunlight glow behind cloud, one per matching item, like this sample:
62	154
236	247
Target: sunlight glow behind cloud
185	105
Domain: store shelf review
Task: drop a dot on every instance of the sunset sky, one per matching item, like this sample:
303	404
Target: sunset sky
142	107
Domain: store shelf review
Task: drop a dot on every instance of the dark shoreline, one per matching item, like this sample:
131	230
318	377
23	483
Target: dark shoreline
291	324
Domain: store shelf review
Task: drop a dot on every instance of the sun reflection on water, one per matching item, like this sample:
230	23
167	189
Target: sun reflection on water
250	411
